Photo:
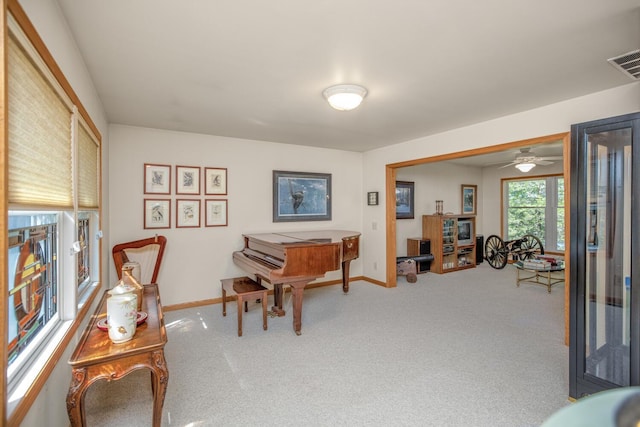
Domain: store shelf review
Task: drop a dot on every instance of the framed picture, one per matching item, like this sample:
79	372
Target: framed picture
404	199
157	179
157	213
215	213
187	213
372	198
469	199
187	179
301	196
215	181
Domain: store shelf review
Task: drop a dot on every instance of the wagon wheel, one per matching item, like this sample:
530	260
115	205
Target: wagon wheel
495	252
530	247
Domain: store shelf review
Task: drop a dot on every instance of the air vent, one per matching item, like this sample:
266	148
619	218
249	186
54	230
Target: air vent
628	63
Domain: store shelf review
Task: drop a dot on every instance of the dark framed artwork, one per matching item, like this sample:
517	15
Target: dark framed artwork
187	213
157	179
372	198
469	201
215	181
187	179
157	213
301	196
404	199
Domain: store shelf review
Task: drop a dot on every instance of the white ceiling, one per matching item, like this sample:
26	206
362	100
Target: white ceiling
256	69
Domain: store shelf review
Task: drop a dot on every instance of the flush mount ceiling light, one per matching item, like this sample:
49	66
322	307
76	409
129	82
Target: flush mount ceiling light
345	97
525	167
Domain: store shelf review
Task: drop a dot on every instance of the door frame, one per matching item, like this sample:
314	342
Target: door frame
390	193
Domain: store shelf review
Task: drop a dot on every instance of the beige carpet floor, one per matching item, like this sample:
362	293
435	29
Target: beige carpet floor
461	349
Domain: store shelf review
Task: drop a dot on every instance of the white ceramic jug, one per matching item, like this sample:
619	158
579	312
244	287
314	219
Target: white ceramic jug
122	314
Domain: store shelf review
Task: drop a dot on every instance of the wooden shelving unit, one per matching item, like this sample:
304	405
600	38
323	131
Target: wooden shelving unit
448	254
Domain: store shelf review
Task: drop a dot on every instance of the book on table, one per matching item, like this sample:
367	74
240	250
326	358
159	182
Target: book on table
536	264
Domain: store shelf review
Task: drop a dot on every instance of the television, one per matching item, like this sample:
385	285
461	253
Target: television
465	232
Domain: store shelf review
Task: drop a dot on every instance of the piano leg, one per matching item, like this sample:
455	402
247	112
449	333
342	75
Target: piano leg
297	293
278	293
277	297
277	300
345	275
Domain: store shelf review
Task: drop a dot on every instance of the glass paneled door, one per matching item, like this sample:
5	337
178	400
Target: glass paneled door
605	313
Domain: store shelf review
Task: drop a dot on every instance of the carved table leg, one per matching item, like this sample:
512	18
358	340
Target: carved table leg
160	379
75	397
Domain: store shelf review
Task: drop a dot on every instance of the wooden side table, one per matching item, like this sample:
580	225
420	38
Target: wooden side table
96	357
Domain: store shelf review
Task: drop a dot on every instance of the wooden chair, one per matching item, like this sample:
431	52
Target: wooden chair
146	252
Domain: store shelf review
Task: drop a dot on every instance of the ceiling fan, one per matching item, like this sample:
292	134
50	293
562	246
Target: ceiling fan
526	160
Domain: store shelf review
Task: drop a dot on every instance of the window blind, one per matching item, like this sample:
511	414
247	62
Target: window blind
39	127
88	169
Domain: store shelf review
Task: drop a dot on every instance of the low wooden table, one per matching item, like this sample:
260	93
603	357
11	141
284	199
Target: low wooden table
96	357
537	276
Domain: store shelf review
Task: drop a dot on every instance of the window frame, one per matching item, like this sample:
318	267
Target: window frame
73	310
550	208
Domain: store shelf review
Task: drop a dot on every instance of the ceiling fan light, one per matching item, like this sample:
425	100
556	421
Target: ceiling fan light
344	97
525	167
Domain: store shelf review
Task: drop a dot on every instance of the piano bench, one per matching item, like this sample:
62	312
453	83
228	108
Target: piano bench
245	290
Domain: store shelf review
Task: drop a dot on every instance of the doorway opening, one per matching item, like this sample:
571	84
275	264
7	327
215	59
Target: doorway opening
391	171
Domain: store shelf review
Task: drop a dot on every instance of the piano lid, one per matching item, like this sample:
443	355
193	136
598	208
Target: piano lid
304	237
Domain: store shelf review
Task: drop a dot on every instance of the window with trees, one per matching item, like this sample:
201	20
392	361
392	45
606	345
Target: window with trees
535	206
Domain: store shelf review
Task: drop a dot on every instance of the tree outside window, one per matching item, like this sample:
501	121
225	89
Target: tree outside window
535	206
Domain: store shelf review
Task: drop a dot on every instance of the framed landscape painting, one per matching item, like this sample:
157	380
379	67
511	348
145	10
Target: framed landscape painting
404	199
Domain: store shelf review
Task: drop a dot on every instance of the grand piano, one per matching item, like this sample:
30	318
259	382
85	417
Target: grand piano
296	259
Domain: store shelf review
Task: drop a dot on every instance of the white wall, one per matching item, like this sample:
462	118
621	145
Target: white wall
196	259
435	181
548	120
50	406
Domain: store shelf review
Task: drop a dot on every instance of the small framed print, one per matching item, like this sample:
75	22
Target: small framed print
157	213
187	179
157	179
215	181
468	196
372	198
187	213
216	213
